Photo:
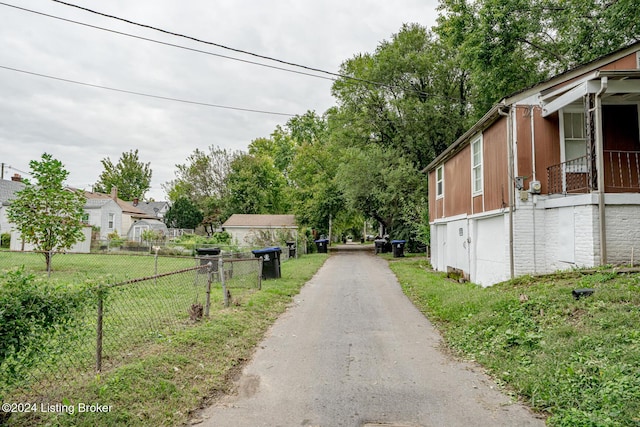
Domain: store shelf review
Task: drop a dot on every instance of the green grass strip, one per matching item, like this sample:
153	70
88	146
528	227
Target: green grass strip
577	361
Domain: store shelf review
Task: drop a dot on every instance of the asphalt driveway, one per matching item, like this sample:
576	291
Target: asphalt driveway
354	351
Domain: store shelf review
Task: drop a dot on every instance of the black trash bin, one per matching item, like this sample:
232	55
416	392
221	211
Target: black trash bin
398	248
380	245
322	245
292	249
270	262
208	254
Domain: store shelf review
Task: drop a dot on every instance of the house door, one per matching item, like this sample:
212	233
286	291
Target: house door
621	148
439	248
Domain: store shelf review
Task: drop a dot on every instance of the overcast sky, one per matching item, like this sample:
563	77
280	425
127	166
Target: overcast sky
81	125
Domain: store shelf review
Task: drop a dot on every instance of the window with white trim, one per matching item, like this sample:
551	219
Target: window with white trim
575	140
476	165
440	182
112	218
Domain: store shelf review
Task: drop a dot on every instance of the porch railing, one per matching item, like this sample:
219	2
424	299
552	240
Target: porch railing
622	170
573	176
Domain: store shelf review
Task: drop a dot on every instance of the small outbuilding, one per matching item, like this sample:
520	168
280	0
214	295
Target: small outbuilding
260	230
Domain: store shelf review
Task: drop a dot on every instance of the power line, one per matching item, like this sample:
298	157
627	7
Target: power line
244	52
166	98
165	43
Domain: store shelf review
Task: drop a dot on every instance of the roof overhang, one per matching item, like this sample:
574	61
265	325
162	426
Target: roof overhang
621	83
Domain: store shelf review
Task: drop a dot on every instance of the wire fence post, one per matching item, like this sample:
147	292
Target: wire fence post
223	281
99	330
260	261
209	280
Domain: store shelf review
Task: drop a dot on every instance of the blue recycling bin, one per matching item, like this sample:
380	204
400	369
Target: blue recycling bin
322	245
270	262
398	248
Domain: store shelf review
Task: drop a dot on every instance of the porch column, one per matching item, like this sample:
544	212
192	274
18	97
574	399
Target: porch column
600	169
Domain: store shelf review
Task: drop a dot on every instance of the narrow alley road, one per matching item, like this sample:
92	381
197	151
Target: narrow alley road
354	351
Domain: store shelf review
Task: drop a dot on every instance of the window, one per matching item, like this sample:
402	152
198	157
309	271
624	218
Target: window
112	218
440	182
575	141
476	165
85	218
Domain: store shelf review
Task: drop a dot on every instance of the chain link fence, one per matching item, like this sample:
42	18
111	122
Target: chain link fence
125	304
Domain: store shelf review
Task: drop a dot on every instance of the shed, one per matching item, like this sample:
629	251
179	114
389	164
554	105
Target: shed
260	230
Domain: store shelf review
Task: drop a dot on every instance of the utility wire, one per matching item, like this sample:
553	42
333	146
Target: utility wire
165	43
318	70
166	98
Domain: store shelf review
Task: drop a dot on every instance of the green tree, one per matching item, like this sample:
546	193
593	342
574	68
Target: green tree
280	147
418	108
379	183
130	176
316	196
183	213
504	46
202	176
46	214
255	186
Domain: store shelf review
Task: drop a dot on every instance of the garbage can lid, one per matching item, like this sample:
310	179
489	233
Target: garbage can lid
322	240
208	251
398	241
266	250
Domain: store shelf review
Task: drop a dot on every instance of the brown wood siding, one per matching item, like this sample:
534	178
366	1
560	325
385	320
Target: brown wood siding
457	183
495	166
523	144
629	62
478	204
547	134
436	206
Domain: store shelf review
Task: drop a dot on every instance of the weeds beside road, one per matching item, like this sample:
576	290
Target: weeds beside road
577	361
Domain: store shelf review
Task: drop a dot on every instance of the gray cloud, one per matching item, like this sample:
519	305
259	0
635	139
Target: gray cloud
82	125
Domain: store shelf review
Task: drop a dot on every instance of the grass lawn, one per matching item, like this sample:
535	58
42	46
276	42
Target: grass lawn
577	361
174	375
79	267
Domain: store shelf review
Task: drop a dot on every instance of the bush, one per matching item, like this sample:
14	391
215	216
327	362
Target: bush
5	240
31	311
193	240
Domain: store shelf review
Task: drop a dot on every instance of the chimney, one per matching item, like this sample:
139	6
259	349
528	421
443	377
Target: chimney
16	177
114	193
136	201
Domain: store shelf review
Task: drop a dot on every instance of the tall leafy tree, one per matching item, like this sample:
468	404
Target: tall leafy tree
418	108
202	180
507	45
316	196
255	186
46	214
130	176
203	175
380	184
183	213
